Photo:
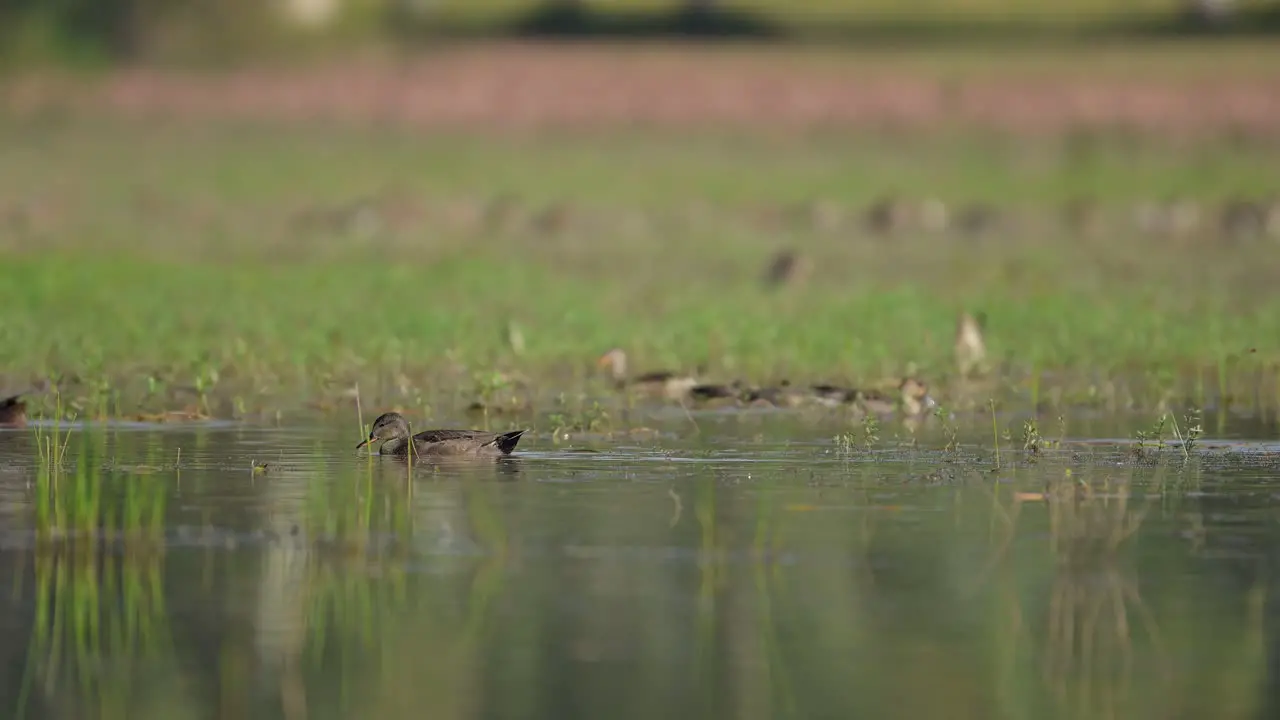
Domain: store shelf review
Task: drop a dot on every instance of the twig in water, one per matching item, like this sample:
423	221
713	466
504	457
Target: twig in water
689	415
995	430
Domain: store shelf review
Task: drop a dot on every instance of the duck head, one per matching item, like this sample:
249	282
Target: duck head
388	426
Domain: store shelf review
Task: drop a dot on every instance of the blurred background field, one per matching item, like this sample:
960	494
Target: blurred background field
277	266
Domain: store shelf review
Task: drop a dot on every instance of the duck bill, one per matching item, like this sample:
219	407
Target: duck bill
364	442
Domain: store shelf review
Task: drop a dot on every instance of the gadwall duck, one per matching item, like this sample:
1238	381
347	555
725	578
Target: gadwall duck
393	430
13	412
661	383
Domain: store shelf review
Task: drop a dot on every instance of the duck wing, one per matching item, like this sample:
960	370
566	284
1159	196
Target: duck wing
435	436
462	442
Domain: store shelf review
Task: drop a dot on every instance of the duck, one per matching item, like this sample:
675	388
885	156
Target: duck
913	400
787	267
393	430
13	412
832	395
887	215
784	395
1243	219
658	383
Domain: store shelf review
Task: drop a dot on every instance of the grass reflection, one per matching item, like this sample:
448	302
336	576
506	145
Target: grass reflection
92	606
1058	588
394	636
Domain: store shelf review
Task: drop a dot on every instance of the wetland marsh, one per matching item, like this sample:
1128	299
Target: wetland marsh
206	314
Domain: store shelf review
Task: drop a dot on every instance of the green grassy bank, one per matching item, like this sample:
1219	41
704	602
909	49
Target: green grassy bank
149	268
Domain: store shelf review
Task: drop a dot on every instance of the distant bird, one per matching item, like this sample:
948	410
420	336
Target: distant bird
393	430
832	395
1172	217
361	217
658	383
13	412
781	395
554	219
787	267
819	215
970	348
1272	221
977	219
887	215
1240	219
913	400
932	215
710	394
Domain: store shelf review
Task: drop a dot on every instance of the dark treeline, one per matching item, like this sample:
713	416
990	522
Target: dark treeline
105	30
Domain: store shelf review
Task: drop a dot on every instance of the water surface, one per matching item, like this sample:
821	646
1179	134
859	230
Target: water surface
751	567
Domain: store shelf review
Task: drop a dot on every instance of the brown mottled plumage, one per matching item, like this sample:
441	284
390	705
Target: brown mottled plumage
13	412
913	400
781	395
393	430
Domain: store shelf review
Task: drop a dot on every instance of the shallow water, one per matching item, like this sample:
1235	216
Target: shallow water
748	566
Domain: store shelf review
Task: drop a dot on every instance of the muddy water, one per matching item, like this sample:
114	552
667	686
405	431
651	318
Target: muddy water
749	568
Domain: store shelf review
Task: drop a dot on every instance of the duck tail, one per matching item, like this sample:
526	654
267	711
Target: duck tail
507	441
